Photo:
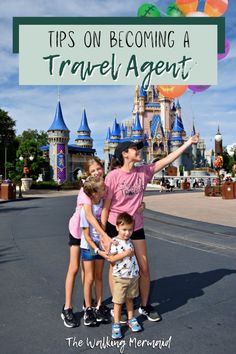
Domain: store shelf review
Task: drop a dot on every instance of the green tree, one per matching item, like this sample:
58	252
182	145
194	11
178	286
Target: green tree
8	142
39	137
15	173
27	148
228	161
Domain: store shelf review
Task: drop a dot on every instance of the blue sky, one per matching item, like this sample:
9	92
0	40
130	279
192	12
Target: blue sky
34	106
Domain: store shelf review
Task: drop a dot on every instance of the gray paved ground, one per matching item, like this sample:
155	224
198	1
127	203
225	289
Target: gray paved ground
193	271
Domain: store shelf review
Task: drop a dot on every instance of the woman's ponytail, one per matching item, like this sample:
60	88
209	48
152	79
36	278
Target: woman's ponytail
116	163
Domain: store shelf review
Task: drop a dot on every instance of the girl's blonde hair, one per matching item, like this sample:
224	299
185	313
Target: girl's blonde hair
91	161
92	185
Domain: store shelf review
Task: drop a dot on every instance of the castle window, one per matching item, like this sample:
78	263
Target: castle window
155	147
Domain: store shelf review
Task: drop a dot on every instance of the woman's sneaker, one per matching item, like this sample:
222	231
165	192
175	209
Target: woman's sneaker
69	318
102	314
89	317
134	325
150	313
116	331
84	305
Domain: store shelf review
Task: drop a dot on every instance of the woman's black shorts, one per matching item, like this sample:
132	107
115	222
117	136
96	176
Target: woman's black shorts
73	241
136	235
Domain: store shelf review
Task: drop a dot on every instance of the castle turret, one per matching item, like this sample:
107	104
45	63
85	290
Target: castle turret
115	132
142	98
165	113
126	132
173	108
178	108
84	139
218	143
108	134
136	98
115	137
122	131
137	130
58	137
177	139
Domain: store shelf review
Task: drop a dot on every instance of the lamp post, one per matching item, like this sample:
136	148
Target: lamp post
26	181
20	191
5	141
26	168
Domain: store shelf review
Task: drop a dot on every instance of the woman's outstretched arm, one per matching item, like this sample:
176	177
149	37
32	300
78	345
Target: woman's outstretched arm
159	165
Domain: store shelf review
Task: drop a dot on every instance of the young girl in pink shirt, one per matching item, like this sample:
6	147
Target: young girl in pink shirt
125	189
93	167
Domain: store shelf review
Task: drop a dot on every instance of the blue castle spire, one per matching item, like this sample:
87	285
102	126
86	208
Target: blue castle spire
84	123
125	131
84	139
122	127
137	125
58	122
136	129
177	129
178	124
143	92
154	92
178	104
173	106
108	134
115	129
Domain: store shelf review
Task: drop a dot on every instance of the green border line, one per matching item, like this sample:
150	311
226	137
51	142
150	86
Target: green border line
219	21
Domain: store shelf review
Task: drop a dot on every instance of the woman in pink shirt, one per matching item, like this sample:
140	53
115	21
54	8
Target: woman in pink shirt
126	185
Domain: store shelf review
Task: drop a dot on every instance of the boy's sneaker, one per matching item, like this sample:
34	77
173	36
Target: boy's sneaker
69	318
102	314
116	331
123	317
134	325
150	313
89	317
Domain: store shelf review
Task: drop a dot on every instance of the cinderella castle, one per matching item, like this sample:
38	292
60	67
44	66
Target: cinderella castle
156	120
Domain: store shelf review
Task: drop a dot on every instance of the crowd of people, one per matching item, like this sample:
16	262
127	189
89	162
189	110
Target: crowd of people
108	225
169	184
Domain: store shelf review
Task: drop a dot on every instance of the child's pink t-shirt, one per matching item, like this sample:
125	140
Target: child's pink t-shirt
126	190
74	223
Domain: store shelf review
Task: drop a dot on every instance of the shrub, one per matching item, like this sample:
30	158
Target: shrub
44	185
71	185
